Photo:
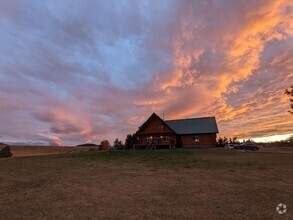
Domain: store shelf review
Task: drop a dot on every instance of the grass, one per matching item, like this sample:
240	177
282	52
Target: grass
161	184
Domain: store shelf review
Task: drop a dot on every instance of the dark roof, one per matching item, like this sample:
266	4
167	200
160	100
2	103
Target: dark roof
194	125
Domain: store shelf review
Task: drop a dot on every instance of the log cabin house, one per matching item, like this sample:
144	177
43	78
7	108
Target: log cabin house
191	132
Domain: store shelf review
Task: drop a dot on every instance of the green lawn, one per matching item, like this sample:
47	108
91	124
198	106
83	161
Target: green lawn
161	184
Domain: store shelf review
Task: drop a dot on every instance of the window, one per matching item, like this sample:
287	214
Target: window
166	138
160	127
149	139
195	138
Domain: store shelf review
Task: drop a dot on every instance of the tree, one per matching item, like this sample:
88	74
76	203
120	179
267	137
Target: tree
130	140
105	145
221	142
118	144
233	140
289	92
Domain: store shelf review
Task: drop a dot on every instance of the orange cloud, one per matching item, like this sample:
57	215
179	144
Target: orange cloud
239	58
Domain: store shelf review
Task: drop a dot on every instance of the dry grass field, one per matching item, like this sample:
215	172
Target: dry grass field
21	151
162	184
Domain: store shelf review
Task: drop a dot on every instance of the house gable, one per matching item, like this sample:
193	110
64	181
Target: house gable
154	124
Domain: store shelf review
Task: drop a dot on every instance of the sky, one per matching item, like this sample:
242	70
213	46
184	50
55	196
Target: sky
83	71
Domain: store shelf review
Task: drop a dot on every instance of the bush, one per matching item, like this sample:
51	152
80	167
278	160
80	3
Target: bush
5	152
105	145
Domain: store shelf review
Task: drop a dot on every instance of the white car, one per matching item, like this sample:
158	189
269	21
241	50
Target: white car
230	146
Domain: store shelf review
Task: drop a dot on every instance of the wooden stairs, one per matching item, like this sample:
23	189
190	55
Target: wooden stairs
152	145
149	146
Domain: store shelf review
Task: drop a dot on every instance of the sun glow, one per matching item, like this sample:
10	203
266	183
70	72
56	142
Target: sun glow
272	138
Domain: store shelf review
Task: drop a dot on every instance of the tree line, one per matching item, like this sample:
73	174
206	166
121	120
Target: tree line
221	142
128	143
117	145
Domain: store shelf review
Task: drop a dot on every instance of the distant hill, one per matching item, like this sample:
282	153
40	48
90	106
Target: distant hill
87	145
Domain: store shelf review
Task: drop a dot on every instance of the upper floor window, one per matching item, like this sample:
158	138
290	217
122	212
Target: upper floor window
160	127
195	138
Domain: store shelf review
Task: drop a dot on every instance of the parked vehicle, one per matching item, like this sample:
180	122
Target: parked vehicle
238	147
249	146
230	146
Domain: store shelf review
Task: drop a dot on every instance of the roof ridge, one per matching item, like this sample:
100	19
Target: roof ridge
190	118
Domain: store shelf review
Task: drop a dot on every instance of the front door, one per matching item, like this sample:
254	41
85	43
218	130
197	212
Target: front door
156	140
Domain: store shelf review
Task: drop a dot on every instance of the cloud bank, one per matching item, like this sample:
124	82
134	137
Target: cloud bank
93	70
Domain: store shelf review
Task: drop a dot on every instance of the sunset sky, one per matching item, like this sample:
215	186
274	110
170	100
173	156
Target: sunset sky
83	71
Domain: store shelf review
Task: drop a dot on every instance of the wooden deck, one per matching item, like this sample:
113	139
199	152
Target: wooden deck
153	146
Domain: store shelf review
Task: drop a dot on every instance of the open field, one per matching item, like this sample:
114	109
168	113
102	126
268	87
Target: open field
162	184
21	151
